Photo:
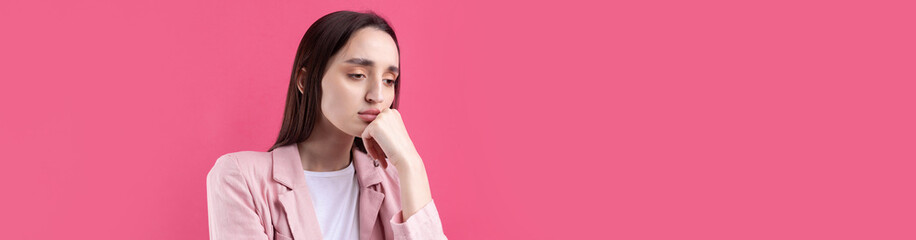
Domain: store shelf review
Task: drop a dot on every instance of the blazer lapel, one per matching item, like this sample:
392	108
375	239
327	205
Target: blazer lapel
297	203
370	199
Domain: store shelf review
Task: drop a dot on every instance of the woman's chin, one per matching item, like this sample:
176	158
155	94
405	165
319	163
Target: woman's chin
357	132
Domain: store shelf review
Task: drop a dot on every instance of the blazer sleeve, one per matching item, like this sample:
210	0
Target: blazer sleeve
230	206
424	224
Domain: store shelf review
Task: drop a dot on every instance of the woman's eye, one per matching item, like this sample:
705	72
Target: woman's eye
357	75
390	82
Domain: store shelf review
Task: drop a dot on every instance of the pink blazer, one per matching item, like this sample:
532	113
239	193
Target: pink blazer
263	195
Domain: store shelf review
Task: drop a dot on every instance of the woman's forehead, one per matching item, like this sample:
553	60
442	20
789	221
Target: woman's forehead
373	45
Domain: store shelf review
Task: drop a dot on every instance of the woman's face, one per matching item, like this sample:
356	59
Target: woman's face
359	77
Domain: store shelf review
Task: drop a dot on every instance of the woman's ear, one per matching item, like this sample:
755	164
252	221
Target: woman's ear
299	80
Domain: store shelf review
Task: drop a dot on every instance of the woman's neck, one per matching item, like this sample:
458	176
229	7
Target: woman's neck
326	149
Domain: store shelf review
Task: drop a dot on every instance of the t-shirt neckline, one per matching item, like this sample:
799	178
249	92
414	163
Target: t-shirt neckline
349	170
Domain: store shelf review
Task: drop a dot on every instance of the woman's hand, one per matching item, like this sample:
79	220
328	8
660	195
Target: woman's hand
386	137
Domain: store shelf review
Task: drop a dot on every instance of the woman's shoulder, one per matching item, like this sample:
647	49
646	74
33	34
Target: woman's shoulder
246	163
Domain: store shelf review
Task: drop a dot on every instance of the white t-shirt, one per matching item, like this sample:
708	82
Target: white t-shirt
335	196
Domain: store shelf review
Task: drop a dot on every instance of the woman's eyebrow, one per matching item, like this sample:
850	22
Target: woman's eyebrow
370	63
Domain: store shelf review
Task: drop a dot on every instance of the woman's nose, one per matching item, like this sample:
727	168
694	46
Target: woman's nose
374	93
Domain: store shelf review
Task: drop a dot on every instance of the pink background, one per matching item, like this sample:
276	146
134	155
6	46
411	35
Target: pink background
537	120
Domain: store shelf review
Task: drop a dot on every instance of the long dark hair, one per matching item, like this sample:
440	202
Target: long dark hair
321	41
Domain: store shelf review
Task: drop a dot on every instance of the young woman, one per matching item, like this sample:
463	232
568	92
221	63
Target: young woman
343	166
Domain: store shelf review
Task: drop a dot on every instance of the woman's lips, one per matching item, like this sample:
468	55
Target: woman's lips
368	117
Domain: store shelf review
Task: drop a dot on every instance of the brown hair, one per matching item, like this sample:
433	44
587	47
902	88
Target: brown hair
321	41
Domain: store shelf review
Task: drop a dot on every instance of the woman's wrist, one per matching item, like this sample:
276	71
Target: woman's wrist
414	183
406	163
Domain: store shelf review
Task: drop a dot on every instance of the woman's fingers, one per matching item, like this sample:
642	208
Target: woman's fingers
375	150
380	153
372	147
369	144
365	136
369	149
